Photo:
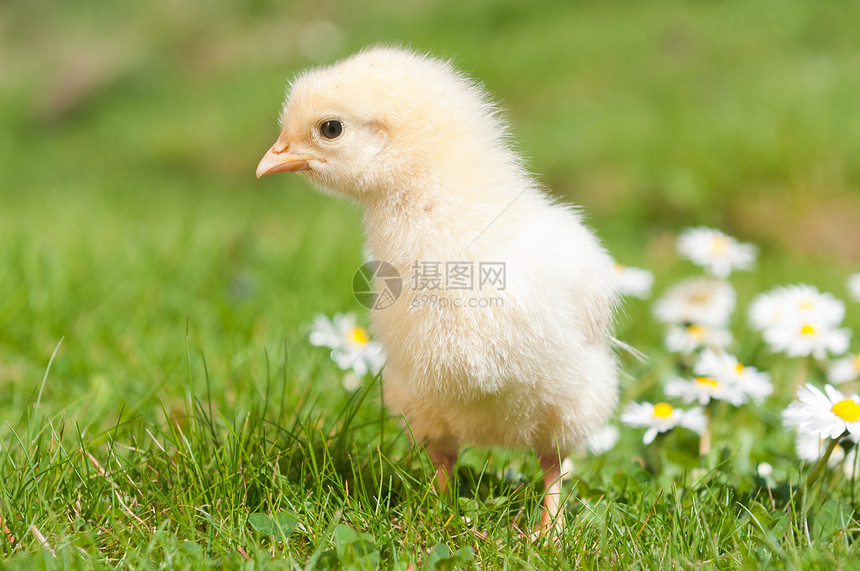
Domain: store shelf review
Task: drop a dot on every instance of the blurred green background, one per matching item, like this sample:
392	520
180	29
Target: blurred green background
131	221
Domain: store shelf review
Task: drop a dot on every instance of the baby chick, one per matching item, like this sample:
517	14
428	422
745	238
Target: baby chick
516	351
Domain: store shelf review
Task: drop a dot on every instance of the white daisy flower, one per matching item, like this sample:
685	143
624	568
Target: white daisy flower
716	252
350	344
686	339
850	467
811	447
703	301
351	381
362	360
719	365
662	417
603	439
789	304
633	282
807	301
800	321
325	333
764	469
752	383
805	337
702	390
854	286
566	470
828	414
844	370
766	310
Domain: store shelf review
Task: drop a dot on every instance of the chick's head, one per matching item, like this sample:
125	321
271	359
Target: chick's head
383	121
338	146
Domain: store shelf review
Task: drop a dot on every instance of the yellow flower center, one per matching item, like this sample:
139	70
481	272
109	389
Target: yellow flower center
699	298
662	410
739	368
856	362
719	246
697	332
847	410
709	382
807	329
359	335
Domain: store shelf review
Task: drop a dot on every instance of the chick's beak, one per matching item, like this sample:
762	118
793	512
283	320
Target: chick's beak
280	159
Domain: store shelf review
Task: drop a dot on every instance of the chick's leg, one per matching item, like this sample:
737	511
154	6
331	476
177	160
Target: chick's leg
443	458
550	465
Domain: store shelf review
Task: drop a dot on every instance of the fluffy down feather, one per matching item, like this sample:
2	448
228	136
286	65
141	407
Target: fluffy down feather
425	151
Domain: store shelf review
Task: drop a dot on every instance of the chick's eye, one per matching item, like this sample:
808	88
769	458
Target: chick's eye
331	129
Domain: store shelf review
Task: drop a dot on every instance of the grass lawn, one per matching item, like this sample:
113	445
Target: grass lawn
161	404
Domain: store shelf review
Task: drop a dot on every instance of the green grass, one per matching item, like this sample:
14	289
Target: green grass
156	383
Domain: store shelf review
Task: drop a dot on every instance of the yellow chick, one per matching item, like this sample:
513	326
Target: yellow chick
514	348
